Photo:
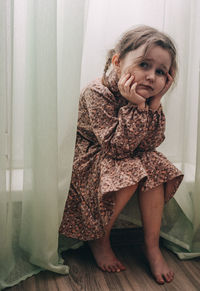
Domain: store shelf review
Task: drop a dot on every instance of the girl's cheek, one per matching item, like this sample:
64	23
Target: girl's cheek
163	84
165	78
128	71
131	69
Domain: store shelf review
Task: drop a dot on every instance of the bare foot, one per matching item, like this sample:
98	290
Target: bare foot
158	265
104	256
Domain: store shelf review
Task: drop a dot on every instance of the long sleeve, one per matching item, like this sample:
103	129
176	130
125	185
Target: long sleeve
156	129
119	131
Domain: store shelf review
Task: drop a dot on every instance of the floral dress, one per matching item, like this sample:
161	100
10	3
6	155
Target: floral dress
115	148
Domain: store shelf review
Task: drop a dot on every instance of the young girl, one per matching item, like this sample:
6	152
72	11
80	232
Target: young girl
120	124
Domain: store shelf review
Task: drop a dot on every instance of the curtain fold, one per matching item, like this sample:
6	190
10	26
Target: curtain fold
187	152
42	59
39	99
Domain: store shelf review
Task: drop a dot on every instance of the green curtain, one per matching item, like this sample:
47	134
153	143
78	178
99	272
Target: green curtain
38	108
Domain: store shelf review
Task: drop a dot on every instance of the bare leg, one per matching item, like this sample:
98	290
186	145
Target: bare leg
170	188
151	206
101	248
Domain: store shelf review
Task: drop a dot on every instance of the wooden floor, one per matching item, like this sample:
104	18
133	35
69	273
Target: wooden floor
86	276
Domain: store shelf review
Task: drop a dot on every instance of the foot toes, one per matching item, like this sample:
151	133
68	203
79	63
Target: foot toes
120	267
113	268
169	277
116	267
159	279
103	267
108	268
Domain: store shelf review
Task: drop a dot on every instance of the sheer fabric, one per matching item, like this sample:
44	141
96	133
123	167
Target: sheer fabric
40	57
40	68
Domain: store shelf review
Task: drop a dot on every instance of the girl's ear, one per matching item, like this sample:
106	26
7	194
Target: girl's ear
116	61
116	64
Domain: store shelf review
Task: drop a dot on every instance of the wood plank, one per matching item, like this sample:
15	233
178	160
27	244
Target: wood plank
138	271
187	275
86	276
84	273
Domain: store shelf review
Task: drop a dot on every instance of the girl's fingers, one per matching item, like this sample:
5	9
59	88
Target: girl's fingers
167	86
128	82
170	78
125	82
169	82
123	78
172	73
133	90
133	87
136	97
128	90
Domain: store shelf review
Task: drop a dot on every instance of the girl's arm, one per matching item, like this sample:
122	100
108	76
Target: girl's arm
119	132
156	120
156	124
156	129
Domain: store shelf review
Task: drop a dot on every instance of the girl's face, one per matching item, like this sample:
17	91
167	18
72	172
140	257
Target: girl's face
150	71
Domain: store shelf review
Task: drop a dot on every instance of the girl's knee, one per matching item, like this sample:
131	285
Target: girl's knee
134	186
131	189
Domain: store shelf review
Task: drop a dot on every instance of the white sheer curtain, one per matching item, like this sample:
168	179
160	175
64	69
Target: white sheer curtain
40	67
40	60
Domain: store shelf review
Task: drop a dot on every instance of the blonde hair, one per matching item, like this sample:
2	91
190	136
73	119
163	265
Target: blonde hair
134	38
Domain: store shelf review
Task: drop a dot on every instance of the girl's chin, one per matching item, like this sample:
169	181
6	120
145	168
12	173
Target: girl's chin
143	93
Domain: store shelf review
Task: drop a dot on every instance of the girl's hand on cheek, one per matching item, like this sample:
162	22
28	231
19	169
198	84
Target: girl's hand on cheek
127	88
165	89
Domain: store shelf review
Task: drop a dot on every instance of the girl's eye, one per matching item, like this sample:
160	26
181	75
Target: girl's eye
144	65
160	72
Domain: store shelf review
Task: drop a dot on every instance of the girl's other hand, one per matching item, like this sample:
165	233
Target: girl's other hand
168	84
155	100
127	88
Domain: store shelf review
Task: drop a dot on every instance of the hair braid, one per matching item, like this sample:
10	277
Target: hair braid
110	54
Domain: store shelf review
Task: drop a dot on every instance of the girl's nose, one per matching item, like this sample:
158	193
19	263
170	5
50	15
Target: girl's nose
150	76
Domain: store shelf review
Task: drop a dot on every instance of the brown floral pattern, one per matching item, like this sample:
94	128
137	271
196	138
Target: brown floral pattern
115	148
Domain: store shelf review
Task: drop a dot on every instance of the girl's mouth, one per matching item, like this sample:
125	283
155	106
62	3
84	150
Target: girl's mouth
146	87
